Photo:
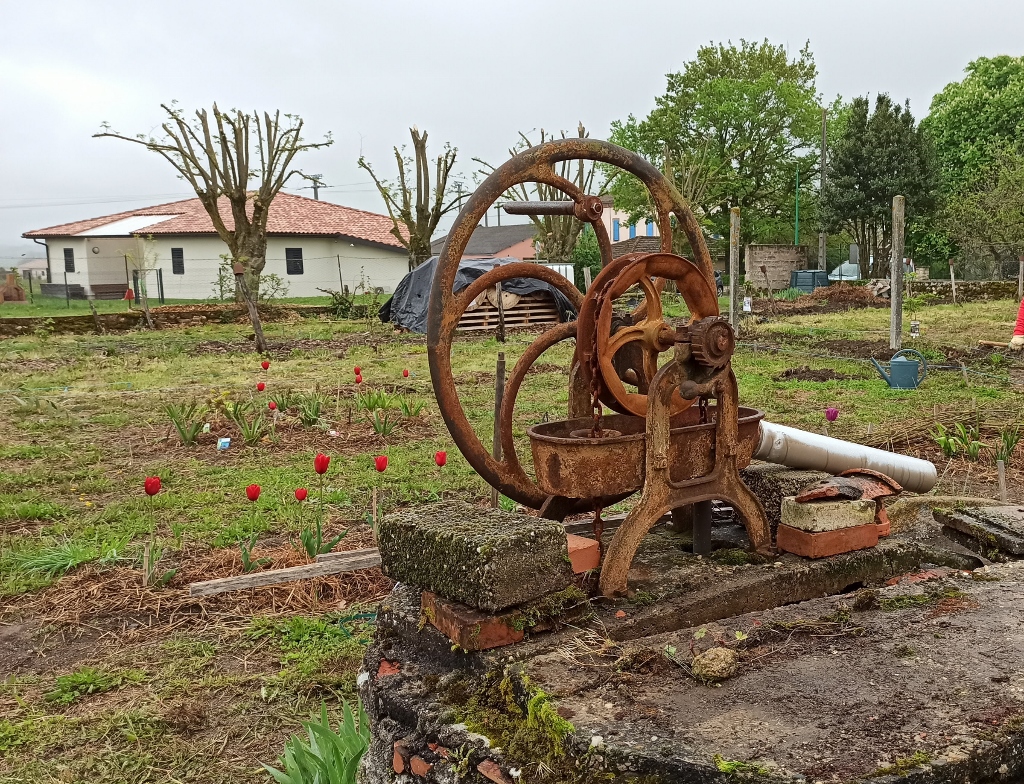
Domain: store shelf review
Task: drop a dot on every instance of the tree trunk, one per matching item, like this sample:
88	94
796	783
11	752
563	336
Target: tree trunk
254	314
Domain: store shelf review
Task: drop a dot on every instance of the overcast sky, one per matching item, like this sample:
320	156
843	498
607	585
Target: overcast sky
471	73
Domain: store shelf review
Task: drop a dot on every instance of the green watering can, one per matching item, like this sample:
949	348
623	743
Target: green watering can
904	373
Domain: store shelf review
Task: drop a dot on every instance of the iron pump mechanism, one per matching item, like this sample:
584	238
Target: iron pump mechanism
673	430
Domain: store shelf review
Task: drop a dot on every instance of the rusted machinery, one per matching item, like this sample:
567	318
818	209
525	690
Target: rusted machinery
674	430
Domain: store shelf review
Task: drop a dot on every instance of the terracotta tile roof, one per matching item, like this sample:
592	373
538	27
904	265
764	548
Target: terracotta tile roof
289	214
488	240
636	245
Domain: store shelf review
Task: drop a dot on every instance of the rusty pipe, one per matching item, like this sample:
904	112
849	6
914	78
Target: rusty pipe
589	209
796	448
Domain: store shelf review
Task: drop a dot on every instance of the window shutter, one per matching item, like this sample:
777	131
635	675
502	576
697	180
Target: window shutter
69	259
177	261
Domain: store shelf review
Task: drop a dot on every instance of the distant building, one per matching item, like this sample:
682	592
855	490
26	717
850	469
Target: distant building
515	241
616	223
311	245
33	268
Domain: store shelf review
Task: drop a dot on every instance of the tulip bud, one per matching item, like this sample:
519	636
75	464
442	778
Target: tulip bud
831	413
357	370
440	458
359	379
260	387
252	492
272	405
405	373
301	493
265	365
321	463
152	485
380	462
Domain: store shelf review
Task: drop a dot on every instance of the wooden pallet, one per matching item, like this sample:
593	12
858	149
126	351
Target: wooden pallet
531	310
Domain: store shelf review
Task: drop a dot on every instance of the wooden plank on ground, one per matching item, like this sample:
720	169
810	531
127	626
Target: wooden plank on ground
351	561
992	343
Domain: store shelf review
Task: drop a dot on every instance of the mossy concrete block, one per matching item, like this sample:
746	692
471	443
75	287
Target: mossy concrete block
771	483
485	558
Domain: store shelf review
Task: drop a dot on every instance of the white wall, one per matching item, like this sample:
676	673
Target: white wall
381	267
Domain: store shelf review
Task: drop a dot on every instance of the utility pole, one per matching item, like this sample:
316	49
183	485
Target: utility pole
318	183
734	269
896	276
796	217
822	237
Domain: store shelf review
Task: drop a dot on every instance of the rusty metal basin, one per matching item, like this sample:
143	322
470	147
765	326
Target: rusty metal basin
569	463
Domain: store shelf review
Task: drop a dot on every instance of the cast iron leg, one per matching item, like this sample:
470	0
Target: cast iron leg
702	528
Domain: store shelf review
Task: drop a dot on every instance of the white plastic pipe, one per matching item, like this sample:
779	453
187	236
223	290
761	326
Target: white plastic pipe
810	451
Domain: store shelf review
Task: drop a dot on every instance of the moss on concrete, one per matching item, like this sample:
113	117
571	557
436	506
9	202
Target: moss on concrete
485	558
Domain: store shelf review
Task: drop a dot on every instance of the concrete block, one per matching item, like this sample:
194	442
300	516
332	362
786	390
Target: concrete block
817	516
484	558
771	483
826	543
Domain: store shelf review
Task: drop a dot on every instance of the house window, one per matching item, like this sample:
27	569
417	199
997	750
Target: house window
293	261
615	229
69	259
177	261
650	229
632	230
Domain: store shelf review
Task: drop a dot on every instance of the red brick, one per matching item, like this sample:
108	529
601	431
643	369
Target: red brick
584	553
470	629
489	770
387	668
420	766
826	543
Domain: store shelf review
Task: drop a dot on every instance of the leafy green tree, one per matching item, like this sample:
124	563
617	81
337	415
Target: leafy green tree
586	253
878	155
730	130
972	119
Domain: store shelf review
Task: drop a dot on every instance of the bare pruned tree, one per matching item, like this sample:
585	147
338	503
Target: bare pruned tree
556	234
416	209
236	162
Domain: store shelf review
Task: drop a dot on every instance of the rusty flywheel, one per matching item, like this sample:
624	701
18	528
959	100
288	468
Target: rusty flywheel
603	338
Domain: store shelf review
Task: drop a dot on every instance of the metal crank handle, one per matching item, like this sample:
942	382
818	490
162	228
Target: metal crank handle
589	209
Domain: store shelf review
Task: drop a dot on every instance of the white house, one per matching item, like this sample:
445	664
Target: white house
311	245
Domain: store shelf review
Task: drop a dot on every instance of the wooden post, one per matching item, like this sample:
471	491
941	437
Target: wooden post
734	269
586	279
1001	468
896	276
822	237
702	528
499	393
1020	278
501	313
952	279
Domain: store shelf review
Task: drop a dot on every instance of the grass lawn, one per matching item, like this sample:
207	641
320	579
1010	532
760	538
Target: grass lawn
102	679
57	306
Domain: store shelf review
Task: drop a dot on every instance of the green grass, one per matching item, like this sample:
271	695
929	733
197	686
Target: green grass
88	681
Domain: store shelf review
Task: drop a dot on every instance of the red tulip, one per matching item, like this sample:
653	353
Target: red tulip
301	493
321	462
252	492
359	379
152	485
272	405
260	387
405	372
265	365
380	462
357	370
440	458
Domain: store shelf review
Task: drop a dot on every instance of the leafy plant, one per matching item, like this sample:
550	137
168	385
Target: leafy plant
329	756
248	564
410	408
383	423
187	419
374	400
313	540
1009	437
969	440
310	406
286	399
253	429
60	558
86	681
789	294
947	441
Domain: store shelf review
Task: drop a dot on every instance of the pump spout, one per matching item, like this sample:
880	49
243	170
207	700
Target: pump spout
881	371
810	451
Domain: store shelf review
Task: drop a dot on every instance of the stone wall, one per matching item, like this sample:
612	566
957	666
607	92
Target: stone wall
969	290
165	317
778	260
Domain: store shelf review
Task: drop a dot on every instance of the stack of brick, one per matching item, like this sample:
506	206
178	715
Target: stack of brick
488	577
817	529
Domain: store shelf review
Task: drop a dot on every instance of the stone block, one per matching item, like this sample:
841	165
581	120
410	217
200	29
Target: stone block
991	527
485	558
826	543
818	516
771	483
584	553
